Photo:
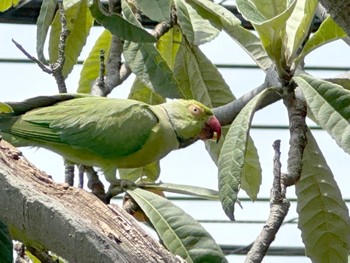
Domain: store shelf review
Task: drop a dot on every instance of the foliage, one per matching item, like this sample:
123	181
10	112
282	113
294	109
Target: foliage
173	66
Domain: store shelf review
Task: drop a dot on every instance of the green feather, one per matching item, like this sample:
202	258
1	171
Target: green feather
103	132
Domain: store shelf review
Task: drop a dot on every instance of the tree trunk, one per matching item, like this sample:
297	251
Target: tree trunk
69	221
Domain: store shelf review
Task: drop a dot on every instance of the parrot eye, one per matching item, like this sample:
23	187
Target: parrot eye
195	110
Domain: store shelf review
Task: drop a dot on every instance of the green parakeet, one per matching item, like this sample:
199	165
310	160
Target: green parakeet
105	132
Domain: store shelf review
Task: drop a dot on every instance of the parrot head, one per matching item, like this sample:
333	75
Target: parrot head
192	120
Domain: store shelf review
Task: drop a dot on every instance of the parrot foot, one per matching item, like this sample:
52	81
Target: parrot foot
117	187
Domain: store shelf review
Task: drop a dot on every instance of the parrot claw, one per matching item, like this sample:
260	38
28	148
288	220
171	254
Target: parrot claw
117	187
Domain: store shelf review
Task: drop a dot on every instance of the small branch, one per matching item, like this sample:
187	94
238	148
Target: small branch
278	210
58	65
21	253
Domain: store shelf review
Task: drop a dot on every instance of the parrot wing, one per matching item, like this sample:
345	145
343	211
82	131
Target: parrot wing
108	128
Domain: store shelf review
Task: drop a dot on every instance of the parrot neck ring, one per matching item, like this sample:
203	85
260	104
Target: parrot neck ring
182	141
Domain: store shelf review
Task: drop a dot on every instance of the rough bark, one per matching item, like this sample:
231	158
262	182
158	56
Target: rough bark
68	221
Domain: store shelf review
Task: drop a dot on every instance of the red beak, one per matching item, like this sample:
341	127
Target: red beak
212	129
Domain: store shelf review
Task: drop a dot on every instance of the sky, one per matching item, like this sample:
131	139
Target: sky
193	165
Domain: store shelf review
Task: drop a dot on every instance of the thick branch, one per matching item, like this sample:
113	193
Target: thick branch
68	221
339	11
227	113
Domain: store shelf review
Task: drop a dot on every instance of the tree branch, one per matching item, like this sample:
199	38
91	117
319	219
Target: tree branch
68	221
279	207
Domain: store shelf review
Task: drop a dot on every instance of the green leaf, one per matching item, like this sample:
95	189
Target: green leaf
79	22
323	215
232	26
4	108
238	161
269	21
344	82
297	27
47	13
199	79
169	44
149	66
330	105
327	32
6	251
150	171
157	10
6	4
180	233
195	27
139	91
91	66
183	189
119	26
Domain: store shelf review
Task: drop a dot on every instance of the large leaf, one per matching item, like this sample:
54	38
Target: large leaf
238	161
91	66
6	246
232	26
195	27
269	21
180	233
79	23
157	10
184	189
47	13
323	215
169	44
6	4
199	79
149	66
139	91
297	27
118	25
330	105
327	32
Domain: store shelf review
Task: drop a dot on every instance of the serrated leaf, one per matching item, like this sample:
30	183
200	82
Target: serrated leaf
323	215
6	4
199	79
184	189
195	27
91	66
6	251
169	44
297	27
79	23
119	26
180	233
157	10
4	108
330	105
327	32
232	26
150	171
47	13
269	23
237	160
149	66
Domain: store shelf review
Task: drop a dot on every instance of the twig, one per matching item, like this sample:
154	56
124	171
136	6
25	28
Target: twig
58	65
278	210
54	69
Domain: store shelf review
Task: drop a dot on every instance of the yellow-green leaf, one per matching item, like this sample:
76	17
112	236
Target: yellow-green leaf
91	66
